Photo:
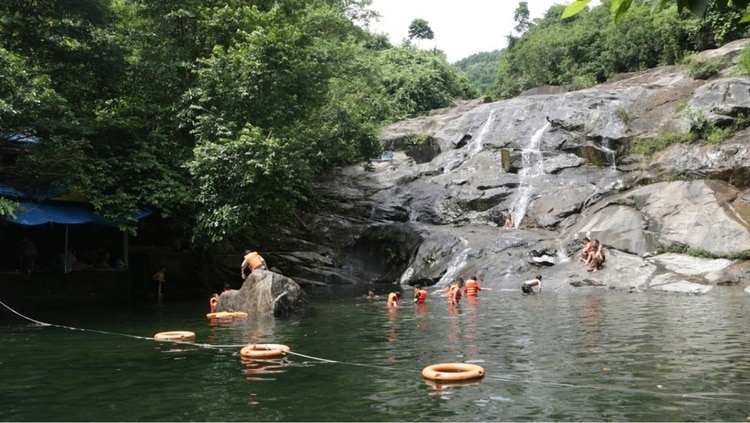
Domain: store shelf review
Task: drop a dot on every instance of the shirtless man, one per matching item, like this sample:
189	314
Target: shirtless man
528	286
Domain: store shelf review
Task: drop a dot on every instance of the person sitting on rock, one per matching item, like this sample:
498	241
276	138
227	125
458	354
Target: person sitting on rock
596	257
586	250
509	222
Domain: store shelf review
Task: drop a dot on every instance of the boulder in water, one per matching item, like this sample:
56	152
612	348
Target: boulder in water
265	292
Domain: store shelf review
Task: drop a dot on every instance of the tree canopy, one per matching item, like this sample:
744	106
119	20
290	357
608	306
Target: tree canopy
420	29
589	47
218	115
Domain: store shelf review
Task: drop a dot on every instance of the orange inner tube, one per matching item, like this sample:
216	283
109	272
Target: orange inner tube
453	372
264	351
175	335
226	315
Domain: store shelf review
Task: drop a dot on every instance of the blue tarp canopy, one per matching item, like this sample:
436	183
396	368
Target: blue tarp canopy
19	138
68	213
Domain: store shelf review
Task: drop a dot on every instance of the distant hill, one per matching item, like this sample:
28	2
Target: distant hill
480	68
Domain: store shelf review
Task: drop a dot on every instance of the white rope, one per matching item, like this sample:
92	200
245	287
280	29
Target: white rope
705	396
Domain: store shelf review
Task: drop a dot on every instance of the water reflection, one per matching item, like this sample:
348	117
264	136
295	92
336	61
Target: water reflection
446	388
256	369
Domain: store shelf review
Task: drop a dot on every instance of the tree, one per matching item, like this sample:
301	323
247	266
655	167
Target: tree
521	16
420	29
698	7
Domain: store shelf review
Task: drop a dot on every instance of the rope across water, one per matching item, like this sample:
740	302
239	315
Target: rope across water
702	396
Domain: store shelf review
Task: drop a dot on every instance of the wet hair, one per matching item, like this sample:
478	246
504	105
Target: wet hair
539	277
586	239
398	295
417	286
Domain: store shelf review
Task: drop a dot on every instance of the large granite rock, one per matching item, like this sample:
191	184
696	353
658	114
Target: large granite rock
265	292
562	163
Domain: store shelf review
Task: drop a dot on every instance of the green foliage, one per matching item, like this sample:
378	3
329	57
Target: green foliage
522	17
247	185
582	82
744	60
699	67
699	7
420	29
416	81
416	139
624	116
739	255
649	146
480	69
593	45
218	114
7	208
701	253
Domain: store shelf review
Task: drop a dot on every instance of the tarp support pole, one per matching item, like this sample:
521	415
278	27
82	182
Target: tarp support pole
125	249
65	254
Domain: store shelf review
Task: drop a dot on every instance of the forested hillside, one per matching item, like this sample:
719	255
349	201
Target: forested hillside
219	115
590	47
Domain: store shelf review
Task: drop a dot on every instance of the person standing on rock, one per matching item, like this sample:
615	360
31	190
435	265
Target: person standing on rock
528	286
254	261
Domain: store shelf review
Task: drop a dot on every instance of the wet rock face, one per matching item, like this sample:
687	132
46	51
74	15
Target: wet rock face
562	165
267	293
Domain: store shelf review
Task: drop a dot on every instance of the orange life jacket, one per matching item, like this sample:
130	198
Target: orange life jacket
421	296
472	287
392	300
254	260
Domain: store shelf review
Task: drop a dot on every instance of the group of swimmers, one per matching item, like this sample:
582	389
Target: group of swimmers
592	255
453	292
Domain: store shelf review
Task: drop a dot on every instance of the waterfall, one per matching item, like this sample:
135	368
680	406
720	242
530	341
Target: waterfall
611	156
474	147
477	147
562	255
459	262
604	184
532	164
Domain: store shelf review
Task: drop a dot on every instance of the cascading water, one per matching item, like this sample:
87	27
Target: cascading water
611	155
605	183
532	166
474	147
453	270
477	145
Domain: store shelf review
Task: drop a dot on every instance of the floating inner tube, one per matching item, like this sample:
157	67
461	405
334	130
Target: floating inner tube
227	315
175	335
453	372
264	351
